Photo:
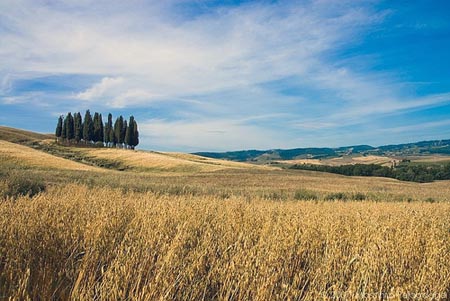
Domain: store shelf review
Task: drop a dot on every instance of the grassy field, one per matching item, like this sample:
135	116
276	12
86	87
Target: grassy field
357	159
104	224
22	136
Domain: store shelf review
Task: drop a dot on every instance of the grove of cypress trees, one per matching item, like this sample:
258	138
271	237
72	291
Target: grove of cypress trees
72	128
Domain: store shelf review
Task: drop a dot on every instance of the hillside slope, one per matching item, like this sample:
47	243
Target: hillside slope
24	156
177	173
21	136
147	161
33	149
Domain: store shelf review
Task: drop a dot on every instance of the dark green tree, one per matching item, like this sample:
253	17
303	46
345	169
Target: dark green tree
135	140
96	136
112	134
64	130
98	128
59	127
123	132
101	133
78	125
118	130
129	133
108	130
70	128
88	128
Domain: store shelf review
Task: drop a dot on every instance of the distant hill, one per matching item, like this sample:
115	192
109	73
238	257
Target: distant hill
434	147
21	136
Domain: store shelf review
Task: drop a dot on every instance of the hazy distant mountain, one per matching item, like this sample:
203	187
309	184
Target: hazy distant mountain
418	148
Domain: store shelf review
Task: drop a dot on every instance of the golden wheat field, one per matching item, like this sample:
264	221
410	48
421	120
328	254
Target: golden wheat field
222	231
82	244
22	155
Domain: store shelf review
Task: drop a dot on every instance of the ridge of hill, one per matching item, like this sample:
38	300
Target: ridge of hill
22	136
421	148
40	150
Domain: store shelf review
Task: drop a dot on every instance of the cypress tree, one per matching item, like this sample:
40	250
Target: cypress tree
129	132
78	125
64	130
108	129
123	132
59	126
96	136
88	127
118	130
135	140
112	134
70	129
101	132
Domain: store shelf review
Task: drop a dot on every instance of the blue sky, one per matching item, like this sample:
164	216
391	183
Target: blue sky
228	75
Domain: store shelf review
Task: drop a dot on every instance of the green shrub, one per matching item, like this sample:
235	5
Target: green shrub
430	200
359	196
338	196
303	194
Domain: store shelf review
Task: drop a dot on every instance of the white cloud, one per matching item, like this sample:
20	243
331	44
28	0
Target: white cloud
106	86
11	100
132	97
223	50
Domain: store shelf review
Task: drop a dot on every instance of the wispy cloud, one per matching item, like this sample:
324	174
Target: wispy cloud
258	74
106	86
231	47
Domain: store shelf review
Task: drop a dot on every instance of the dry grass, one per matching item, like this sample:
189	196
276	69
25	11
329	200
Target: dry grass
168	162
21	136
81	244
188	228
431	159
345	160
26	156
178	176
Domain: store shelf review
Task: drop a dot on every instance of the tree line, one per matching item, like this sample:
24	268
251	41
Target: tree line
405	171
91	130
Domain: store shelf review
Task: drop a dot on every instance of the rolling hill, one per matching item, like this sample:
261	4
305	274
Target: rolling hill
176	173
422	148
21	136
39	150
27	157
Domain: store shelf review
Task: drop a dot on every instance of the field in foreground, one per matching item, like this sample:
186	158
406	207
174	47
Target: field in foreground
107	224
103	244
